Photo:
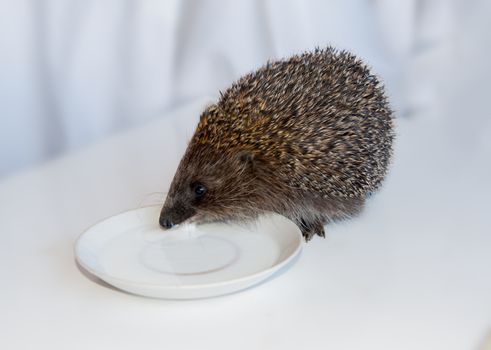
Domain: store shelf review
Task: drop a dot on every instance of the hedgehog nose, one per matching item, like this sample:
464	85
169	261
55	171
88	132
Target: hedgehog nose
166	222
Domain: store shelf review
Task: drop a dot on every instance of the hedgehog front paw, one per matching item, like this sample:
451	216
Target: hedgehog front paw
311	228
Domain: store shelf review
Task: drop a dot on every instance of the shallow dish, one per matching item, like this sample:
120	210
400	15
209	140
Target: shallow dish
131	252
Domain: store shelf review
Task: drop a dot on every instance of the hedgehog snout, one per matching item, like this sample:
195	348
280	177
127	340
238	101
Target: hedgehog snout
166	222
172	216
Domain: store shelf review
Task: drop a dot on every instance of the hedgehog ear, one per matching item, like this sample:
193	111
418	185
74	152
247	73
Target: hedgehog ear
246	157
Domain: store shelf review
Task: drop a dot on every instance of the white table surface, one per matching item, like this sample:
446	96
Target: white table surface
413	272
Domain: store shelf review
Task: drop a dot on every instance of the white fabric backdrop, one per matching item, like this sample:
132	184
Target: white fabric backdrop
74	71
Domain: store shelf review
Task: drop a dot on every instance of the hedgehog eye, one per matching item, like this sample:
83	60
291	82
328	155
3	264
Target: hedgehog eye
199	189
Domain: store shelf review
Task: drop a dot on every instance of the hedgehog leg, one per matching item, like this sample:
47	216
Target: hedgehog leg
311	228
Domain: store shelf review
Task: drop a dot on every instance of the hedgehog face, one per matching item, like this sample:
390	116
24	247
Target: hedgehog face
210	185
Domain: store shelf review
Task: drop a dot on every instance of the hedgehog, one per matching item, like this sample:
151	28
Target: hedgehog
309	137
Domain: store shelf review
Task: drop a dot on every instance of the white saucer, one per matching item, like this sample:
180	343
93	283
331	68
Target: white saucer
131	252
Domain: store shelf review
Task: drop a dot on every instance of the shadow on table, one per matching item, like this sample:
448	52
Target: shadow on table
96	279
